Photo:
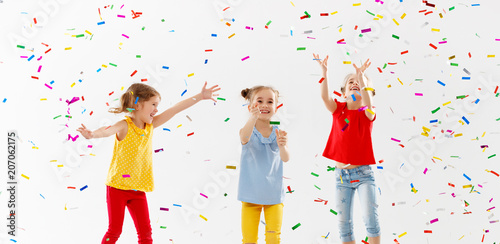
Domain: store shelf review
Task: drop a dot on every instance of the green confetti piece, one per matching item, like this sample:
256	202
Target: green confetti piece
333	212
451	8
397	37
296	226
419	79
360	35
461	96
330	168
497	94
144	27
269	22
91	37
20	46
163	227
274	122
366	239
69	116
162	20
312	173
454	157
226	120
385	65
222	99
112	6
435	110
138	56
81	35
130	109
306	13
453	64
492	156
116	99
498	119
301	48
317	187
346	120
348	53
225	194
370	12
113	64
57	116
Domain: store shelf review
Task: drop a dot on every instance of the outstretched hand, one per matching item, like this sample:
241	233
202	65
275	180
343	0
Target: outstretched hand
361	70
281	137
209	93
323	63
85	132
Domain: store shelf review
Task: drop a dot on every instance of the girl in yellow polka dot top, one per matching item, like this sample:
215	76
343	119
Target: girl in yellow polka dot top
130	174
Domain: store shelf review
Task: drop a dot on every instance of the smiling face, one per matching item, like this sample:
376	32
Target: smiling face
351	86
145	111
265	100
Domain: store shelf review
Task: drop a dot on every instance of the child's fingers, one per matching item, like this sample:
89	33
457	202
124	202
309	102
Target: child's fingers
278	133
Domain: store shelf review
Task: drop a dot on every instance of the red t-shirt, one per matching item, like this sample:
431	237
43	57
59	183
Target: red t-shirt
350	143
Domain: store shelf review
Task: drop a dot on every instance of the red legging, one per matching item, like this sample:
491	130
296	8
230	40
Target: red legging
137	205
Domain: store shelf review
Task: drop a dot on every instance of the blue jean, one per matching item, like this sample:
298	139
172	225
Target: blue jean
361	179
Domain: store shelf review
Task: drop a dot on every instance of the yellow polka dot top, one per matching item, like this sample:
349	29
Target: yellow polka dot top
132	164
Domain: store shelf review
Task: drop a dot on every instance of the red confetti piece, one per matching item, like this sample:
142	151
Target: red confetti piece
190	134
48	50
133	73
91	112
354	181
430	12
432	45
379	70
208	50
71	187
428	231
404	52
34	77
225	9
83	99
495	173
279	106
144	80
336	93
34	19
322	79
111	93
323	14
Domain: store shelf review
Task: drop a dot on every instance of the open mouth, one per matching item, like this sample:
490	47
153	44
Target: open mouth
264	111
354	88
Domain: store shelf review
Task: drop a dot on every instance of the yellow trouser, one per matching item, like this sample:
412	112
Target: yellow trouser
250	218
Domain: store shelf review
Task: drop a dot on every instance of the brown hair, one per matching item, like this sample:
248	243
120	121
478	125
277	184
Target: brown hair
346	79
128	99
248	93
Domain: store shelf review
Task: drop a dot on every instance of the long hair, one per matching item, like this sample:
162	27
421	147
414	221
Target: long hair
129	98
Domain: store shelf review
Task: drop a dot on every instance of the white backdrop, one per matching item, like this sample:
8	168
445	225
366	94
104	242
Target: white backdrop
176	34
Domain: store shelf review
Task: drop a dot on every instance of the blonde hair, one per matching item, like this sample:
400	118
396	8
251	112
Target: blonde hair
128	99
248	93
346	79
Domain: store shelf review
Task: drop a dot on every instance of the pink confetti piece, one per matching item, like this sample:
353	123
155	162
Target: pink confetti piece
245	58
311	38
126	176
396	140
89	146
39	68
498	40
443	42
490	208
24	56
491	200
120	16
125	36
122	6
203	195
434	220
425	171
48	86
163	209
249	28
419	94
38	59
72	138
159	150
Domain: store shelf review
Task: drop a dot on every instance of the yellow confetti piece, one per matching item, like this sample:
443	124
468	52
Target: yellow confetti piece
461	122
436	30
340	29
446	103
53	160
389	86
347	62
68	48
73	84
65	207
43	99
484	133
105	66
403	16
341	181
334	13
91	154
425	134
203	217
395	21
402	235
370	111
491	56
441	15
73	35
88	32
459	134
292	3
34	147
230	167
231	35
190	74
437	158
461	237
467	186
60	165
356	4
25	176
400	81
426	129
179	125
380	16
122	90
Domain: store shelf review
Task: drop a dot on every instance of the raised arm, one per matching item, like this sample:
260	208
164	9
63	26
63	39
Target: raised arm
120	127
366	96
325	95
246	131
205	93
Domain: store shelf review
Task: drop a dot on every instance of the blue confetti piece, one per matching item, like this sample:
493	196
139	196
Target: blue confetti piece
136	100
13	240
476	101
165	67
80	80
184	92
206	61
42	196
214	35
4	100
52	82
380	167
83	188
98	70
177	205
467	177
84	111
476	4
466	121
441	83
101	23
353	97
166	129
185	82
433	121
30	58
465	78
411	184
